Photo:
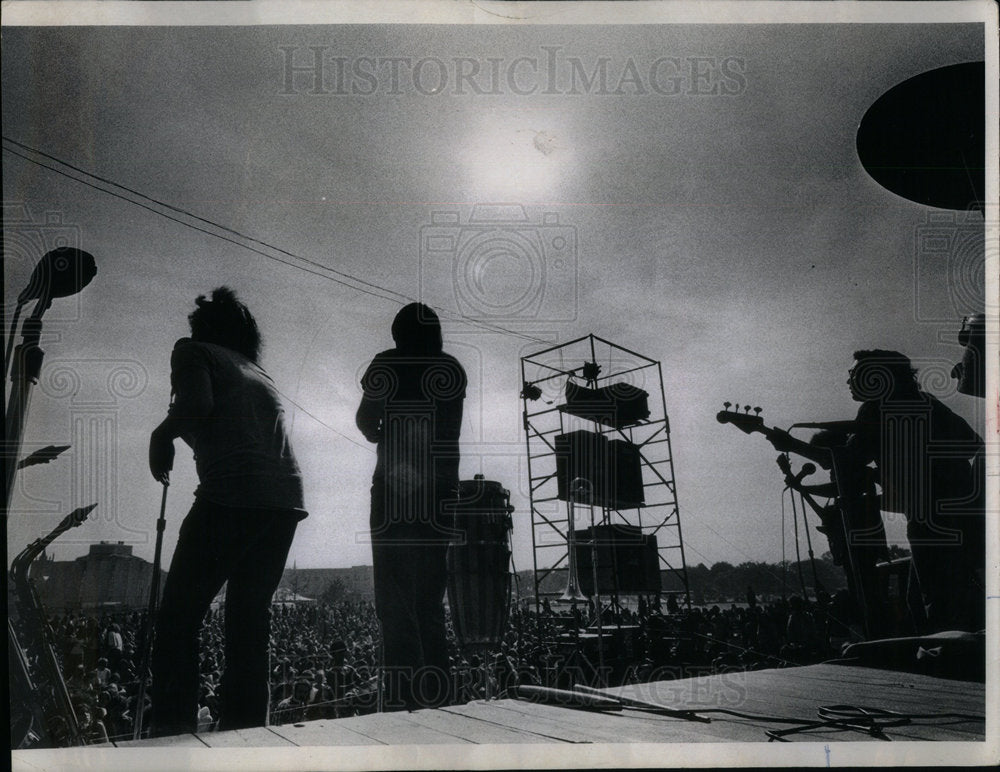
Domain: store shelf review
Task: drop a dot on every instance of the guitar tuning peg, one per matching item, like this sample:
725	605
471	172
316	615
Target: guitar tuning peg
727	405
746	409
737	407
757	410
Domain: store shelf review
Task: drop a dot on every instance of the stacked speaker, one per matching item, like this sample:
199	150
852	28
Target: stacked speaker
612	467
626	559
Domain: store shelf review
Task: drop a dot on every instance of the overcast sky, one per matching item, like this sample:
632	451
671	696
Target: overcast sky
704	181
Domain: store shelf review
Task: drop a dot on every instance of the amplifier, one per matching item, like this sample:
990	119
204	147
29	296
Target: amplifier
627	560
626	475
582	454
617	404
614	468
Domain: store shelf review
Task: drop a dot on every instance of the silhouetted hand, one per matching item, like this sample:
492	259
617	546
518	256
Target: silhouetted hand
161	455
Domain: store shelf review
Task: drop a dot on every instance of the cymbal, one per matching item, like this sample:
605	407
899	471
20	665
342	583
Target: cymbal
923	139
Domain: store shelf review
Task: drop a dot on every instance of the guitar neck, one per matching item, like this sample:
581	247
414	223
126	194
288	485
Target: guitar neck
751	424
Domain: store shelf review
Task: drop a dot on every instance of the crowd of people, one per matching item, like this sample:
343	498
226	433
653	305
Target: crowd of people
324	658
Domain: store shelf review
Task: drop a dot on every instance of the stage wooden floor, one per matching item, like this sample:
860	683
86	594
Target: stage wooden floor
794	692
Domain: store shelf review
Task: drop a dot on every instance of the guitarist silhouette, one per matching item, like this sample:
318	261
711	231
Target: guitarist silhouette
851	518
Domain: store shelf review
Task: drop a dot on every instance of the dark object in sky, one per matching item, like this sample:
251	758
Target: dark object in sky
63	271
923	139
42	456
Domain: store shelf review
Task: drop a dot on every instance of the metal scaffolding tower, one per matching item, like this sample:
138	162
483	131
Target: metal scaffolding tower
596	412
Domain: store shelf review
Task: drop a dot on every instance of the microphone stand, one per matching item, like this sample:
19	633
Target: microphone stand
597	597
25	368
588	499
62	272
154	597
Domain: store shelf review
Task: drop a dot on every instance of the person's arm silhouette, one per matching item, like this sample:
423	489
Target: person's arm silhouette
193	401
369	418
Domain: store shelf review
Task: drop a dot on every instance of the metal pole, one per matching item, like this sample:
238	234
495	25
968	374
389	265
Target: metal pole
25	368
597	596
154	595
62	272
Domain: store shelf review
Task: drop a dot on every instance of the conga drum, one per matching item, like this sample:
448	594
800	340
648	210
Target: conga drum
479	580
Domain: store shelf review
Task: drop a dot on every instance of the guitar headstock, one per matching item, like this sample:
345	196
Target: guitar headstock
743	421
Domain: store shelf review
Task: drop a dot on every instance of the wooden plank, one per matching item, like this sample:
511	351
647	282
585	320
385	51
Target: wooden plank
323	732
789	702
173	741
542	727
397	728
636	726
474	730
792	692
894	701
877	677
777	691
630	726
257	737
901	697
732	689
665	729
795	693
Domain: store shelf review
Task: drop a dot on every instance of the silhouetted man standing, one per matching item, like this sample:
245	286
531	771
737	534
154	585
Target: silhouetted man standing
239	530
412	409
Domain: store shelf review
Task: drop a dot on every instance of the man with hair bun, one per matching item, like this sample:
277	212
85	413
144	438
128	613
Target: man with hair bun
924	454
240	528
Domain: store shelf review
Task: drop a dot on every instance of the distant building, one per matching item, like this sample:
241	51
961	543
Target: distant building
358	582
108	578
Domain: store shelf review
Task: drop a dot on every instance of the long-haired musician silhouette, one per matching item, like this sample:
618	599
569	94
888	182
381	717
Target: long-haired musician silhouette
924	454
247	505
412	409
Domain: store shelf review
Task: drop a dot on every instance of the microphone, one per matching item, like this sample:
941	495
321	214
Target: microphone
62	272
807	469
